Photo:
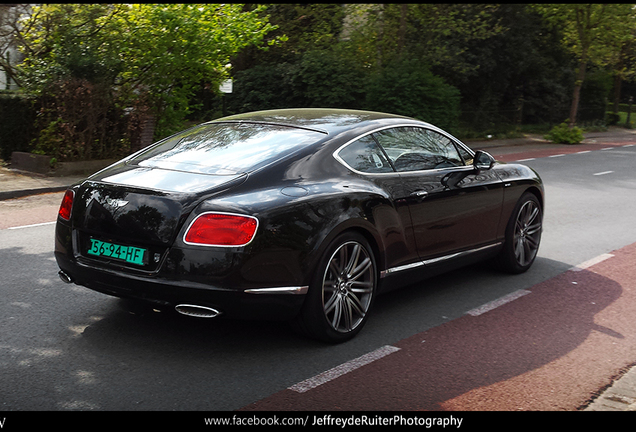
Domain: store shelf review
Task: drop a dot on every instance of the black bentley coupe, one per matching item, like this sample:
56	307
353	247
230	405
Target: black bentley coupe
303	215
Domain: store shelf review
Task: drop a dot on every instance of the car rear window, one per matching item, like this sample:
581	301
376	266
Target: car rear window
225	148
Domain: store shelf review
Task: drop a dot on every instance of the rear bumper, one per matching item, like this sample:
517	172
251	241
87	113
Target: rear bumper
189	276
266	303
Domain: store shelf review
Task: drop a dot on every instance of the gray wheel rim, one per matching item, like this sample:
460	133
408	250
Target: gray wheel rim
348	286
527	233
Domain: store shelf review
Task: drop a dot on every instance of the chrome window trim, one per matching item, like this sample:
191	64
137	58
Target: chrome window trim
430	261
336	155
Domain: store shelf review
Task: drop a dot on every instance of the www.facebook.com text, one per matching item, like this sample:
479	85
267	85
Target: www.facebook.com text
331	420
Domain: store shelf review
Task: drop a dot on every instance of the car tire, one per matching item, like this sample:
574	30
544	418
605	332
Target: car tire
523	235
341	292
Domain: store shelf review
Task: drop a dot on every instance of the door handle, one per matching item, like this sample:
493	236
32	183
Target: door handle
419	194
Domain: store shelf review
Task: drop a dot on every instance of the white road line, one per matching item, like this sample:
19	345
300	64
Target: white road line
496	303
603	173
30	226
344	368
591	262
581	152
520	293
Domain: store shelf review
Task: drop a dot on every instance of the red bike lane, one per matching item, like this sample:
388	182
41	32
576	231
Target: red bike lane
551	348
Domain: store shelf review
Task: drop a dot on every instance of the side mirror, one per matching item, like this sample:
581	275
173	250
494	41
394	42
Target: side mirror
483	160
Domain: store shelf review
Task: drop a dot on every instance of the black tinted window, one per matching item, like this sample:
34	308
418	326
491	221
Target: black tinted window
365	156
225	148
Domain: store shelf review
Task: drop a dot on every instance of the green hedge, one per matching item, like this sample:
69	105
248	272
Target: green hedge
313	79
409	88
563	134
325	79
16	127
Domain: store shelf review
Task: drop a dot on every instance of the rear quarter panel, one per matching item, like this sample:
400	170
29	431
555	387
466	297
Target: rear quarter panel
294	231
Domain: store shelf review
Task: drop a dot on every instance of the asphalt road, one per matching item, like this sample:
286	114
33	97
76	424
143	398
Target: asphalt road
66	348
543	341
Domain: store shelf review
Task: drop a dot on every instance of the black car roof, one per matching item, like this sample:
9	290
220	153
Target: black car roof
329	120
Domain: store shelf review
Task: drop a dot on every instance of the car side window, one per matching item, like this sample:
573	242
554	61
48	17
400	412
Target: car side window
365	155
468	158
416	149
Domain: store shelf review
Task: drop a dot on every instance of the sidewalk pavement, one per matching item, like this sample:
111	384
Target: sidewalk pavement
619	396
532	142
14	184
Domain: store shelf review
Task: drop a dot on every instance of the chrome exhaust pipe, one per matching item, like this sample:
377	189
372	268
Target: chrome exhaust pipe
65	277
197	311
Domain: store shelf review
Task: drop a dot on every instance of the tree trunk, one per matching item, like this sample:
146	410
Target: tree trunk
404	8
617	92
576	94
380	37
148	124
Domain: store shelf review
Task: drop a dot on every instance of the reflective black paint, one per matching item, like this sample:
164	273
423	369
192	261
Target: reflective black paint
302	201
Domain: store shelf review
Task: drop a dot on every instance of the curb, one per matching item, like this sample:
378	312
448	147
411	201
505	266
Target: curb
20	193
619	396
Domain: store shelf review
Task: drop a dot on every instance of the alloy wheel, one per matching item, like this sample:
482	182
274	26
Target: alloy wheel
348	286
527	233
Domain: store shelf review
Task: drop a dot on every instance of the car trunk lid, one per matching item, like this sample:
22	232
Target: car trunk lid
126	208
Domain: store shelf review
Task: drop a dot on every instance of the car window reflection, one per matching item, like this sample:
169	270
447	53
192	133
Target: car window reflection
226	148
416	149
364	155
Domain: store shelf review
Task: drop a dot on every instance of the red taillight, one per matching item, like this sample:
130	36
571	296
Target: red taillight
67	205
221	229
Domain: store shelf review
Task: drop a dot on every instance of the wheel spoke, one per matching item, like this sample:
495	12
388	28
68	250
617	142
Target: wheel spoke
361	269
532	243
527	253
361	287
353	260
533	215
333	266
533	229
330	284
519	250
347	315
330	304
355	304
335	321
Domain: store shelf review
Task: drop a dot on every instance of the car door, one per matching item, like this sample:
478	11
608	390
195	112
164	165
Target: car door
366	158
453	206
